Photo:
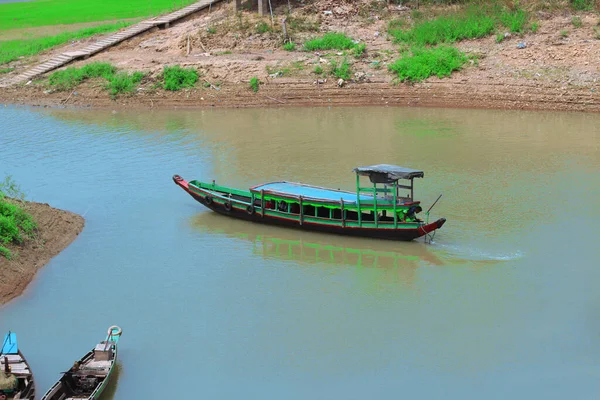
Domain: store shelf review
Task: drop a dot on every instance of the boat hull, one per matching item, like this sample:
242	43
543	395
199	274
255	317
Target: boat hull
399	234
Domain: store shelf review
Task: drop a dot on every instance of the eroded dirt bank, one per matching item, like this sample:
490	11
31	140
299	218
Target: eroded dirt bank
56	230
555	68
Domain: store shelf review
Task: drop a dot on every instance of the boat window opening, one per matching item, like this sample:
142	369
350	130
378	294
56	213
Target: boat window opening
294	208
351	215
336	213
282	206
322	212
308	210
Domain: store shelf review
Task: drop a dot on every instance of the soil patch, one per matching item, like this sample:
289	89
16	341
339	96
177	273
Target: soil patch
56	230
555	68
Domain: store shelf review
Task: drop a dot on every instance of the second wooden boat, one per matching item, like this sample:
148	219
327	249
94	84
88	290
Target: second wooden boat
378	210
89	376
16	379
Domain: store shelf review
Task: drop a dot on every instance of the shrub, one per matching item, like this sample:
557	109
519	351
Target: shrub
472	23
582	5
263	27
289	46
123	82
534	27
342	70
360	50
330	41
70	77
15	221
421	63
176	78
254	83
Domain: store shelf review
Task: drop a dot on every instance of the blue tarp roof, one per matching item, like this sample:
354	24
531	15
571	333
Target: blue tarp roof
298	189
9	345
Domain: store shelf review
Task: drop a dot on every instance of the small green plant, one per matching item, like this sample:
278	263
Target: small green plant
6	70
534	27
211	30
318	70
360	50
597	33
15	222
499	37
342	70
176	78
576	21
254	84
289	46
564	33
330	41
71	77
222	53
123	82
263	27
395	24
582	5
421	63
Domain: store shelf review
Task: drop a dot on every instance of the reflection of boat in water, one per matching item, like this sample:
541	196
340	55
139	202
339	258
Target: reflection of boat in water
310	247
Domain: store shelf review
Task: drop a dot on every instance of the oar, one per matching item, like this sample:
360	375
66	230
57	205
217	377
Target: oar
434	203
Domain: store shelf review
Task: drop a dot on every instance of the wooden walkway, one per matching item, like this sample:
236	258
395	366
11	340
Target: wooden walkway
60	60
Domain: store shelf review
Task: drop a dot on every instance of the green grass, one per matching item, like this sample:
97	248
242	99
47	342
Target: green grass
15	222
54	12
176	78
11	50
499	37
582	5
123	83
360	50
330	41
341	70
117	82
6	70
577	22
69	78
564	33
254	84
263	27
471	23
289	46
318	70
421	63
534	27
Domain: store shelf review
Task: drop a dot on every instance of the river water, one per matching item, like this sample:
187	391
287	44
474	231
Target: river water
504	303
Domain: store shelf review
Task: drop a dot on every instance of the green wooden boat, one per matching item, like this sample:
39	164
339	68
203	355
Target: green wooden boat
378	210
89	376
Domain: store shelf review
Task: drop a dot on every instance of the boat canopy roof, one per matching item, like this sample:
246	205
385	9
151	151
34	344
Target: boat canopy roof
386	173
292	189
9	345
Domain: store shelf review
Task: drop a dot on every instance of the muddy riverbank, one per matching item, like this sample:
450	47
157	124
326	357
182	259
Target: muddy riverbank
56	230
554	68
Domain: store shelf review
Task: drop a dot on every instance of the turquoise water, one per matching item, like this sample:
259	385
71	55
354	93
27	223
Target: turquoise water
503	305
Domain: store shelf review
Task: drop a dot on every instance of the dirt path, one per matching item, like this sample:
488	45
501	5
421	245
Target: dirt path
56	230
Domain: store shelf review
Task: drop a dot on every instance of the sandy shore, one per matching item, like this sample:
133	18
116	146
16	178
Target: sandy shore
56	230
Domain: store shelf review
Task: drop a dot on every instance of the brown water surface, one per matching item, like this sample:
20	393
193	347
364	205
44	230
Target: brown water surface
502	305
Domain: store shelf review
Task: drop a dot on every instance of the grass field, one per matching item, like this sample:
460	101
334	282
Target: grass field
11	50
52	12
